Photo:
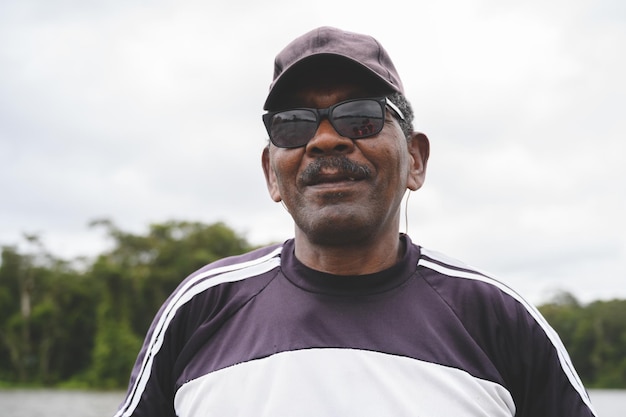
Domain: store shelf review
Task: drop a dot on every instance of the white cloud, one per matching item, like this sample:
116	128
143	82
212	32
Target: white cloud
144	113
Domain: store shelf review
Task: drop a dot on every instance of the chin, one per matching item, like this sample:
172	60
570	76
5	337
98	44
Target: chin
337	230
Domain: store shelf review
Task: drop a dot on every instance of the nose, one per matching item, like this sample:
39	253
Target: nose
328	141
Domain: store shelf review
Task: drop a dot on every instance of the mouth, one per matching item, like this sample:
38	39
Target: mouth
334	178
334	170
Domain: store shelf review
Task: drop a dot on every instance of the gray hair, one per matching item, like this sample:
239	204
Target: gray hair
405	107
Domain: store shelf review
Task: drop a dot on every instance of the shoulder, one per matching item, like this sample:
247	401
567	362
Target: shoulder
454	279
269	255
486	305
227	282
496	316
239	270
211	292
509	328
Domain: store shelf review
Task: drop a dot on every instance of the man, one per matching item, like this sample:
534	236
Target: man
349	318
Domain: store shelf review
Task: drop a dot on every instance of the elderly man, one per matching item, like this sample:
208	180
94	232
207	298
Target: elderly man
349	318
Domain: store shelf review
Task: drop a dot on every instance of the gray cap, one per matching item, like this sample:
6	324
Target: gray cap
363	50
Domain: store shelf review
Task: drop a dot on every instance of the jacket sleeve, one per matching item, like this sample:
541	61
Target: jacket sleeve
526	351
152	384
537	367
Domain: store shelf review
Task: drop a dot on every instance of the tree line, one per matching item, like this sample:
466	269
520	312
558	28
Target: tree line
80	323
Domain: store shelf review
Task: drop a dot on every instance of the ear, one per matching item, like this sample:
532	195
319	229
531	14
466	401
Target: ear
419	150
270	176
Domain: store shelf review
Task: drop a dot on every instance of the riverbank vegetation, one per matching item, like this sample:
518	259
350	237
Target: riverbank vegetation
80	323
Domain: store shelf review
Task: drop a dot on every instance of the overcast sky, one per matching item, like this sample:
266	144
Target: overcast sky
144	112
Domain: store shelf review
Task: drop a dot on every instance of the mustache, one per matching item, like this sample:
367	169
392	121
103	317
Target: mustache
339	163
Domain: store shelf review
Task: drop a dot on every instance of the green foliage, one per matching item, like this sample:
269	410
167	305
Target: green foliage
142	270
45	303
595	336
114	353
83	327
64	325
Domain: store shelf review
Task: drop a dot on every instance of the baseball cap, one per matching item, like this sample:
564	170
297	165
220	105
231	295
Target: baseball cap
363	50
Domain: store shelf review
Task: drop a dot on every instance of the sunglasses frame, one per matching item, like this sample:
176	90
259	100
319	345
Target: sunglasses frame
321	114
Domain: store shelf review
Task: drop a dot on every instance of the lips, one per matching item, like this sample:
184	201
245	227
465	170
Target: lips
333	178
334	169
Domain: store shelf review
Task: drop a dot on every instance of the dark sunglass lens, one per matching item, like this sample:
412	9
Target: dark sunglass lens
293	128
358	119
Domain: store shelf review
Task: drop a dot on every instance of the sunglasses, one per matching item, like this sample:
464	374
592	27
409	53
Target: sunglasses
354	119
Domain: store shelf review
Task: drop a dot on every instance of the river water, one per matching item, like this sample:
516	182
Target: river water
59	403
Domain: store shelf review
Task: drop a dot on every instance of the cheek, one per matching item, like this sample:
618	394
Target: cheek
392	162
285	165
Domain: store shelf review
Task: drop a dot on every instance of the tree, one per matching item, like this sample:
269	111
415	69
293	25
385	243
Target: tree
62	323
46	312
136	276
595	336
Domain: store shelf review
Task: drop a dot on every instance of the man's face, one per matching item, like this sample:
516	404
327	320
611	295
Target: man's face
341	191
